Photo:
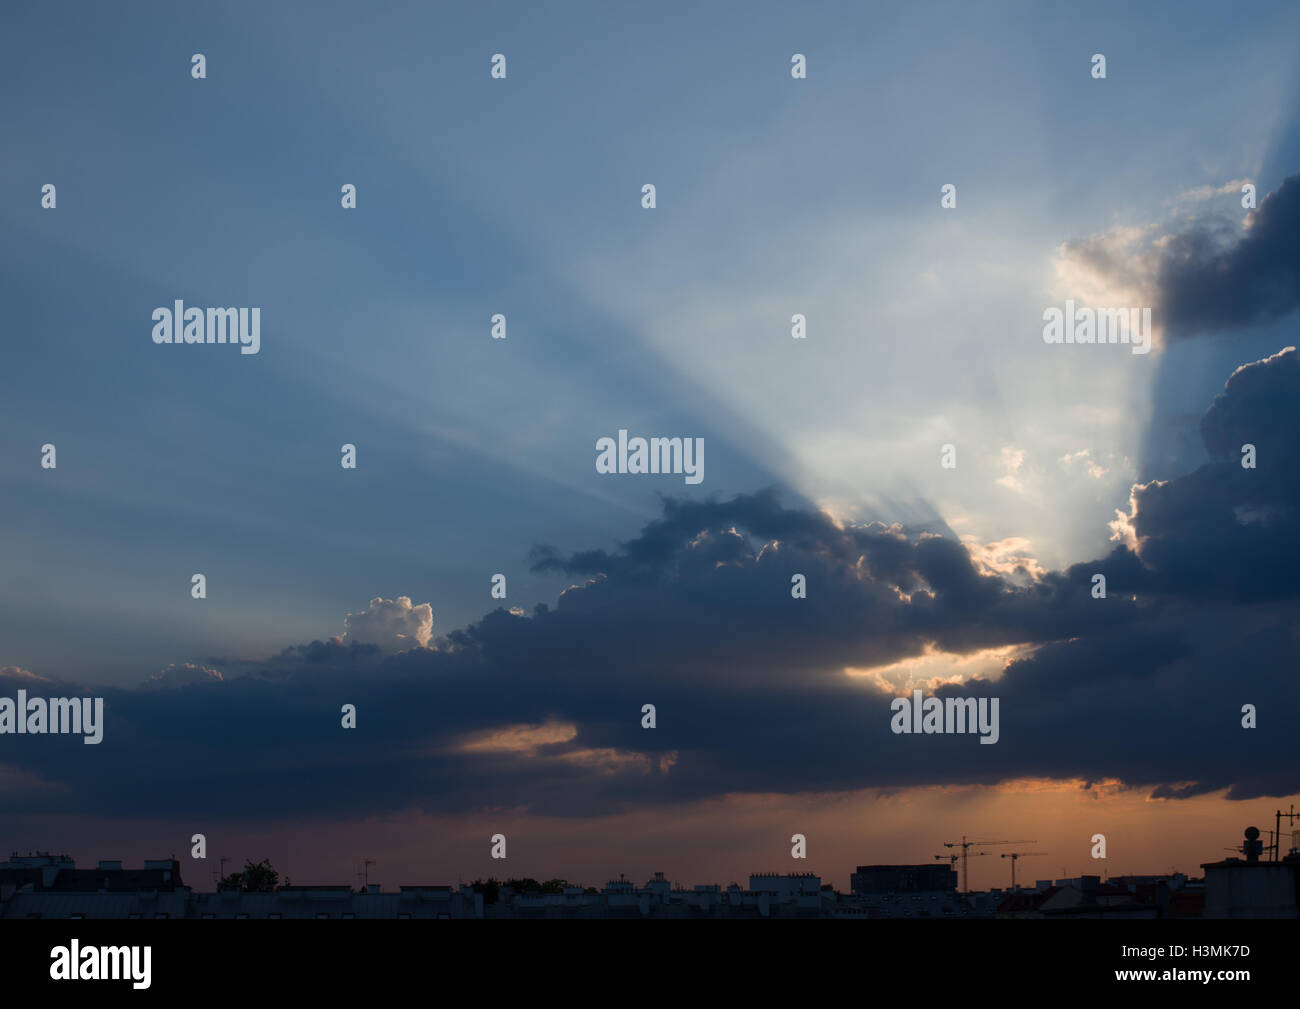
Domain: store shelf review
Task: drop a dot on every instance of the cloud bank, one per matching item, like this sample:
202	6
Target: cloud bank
542	711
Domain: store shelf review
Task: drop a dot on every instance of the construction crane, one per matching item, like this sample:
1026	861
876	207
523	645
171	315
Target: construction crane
952	859
1016	855
966	846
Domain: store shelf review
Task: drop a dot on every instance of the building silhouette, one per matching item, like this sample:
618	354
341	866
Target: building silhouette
45	885
930	878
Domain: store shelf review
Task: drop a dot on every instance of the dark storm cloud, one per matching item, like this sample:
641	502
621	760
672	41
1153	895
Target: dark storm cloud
1215	277
1225	531
695	616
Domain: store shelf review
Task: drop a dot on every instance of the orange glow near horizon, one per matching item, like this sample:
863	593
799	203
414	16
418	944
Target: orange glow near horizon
724	839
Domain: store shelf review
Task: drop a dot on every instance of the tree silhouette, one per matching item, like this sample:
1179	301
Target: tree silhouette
257	877
491	888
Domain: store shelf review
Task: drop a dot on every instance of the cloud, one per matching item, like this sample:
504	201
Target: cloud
756	691
1201	274
19	676
1113	269
1225	531
1013	461
1009	558
392	624
180	675
1216	276
1199	194
1083	458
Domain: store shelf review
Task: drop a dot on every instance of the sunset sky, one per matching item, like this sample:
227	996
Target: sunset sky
775	196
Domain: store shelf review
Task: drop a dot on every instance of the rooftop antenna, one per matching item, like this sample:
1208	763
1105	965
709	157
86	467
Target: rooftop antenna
366	863
1277	834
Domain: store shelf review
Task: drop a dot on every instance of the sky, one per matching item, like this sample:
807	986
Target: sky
476	456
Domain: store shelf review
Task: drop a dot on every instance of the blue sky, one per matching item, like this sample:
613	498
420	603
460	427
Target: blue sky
522	196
